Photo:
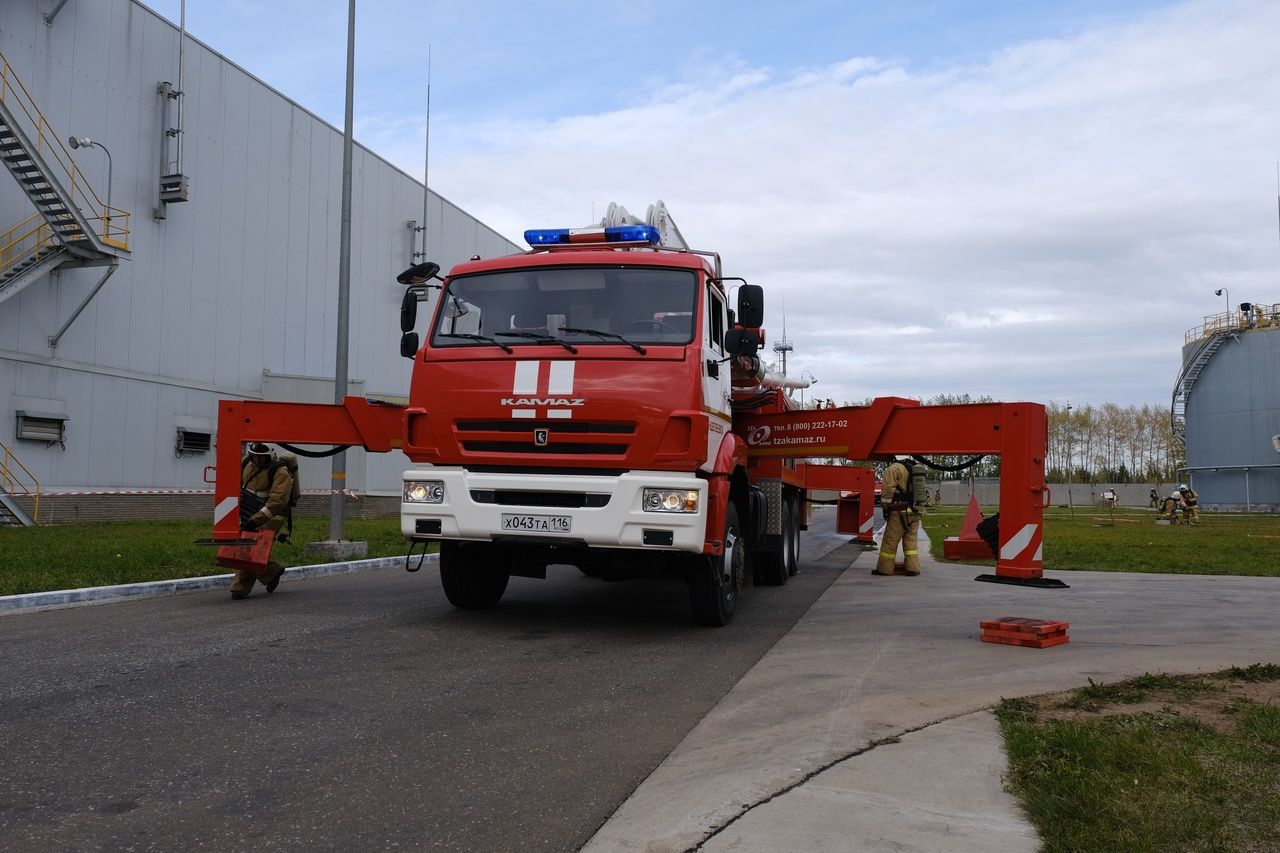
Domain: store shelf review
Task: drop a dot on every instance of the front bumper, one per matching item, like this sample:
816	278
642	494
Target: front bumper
474	504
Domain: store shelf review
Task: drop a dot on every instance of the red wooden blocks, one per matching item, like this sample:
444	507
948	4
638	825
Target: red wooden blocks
1021	631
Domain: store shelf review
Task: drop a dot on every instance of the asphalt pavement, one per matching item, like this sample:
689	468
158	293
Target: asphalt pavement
361	711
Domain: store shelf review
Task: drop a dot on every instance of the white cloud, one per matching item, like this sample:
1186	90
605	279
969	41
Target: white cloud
1043	225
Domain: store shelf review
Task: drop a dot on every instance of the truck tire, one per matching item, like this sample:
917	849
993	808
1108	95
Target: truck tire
780	564
469	575
713	596
792	508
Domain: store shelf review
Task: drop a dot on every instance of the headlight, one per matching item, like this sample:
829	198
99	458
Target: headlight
424	492
670	500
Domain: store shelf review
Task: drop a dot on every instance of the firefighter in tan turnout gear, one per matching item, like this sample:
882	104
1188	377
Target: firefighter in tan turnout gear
1189	499
266	493
902	519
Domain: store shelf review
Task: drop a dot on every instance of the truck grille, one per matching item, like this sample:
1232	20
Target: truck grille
516	497
563	437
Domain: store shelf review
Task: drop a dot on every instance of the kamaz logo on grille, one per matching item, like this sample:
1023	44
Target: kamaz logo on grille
541	436
542	401
538	393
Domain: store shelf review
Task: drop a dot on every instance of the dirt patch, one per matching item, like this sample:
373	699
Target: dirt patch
1210	700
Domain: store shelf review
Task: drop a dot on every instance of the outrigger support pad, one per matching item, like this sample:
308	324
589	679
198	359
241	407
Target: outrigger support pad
1037	583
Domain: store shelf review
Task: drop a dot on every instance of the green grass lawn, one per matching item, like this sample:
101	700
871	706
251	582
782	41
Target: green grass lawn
1131	541
1153	764
70	556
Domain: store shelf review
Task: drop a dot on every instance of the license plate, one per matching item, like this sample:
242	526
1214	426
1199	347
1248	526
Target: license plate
536	523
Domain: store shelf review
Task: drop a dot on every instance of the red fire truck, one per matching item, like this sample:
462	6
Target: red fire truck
596	402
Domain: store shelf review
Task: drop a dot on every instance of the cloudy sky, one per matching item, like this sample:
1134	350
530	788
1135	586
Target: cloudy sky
1027	200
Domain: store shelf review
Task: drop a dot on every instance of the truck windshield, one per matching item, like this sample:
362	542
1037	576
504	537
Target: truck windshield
583	306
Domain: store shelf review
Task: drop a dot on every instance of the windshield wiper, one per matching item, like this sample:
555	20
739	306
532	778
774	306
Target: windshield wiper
611	336
482	338
540	338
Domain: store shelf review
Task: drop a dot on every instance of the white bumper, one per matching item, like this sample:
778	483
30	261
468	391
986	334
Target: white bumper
619	523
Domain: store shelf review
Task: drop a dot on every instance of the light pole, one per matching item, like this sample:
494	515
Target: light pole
86	142
1070	504
338	482
1222	291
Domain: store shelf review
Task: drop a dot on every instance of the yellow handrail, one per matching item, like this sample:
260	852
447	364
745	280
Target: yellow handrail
11	484
14	249
114	220
1258	317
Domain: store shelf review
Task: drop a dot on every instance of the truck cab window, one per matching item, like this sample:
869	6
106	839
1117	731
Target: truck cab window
584	306
715	320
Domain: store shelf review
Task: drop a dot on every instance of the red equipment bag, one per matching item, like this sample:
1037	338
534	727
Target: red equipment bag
252	558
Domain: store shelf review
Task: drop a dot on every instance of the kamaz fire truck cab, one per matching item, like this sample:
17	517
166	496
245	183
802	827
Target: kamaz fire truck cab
573	405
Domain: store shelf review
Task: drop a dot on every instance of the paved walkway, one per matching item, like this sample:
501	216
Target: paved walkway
788	761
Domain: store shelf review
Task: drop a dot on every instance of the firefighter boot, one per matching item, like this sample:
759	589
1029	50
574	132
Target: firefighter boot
242	584
273	579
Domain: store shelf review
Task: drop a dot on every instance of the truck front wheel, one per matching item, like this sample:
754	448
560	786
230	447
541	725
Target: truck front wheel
717	580
470	575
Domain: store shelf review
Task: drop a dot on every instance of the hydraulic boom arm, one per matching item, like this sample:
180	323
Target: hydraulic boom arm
355	423
1017	432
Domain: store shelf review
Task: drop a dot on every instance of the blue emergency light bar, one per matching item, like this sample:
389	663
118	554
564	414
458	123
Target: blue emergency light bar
612	234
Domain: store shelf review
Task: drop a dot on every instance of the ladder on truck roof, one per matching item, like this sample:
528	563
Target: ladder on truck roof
657	216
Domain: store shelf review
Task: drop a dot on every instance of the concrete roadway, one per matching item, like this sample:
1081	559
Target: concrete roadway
863	728
362	711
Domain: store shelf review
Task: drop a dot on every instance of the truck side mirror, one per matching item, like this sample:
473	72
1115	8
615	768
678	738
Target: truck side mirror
419	273
409	310
741	342
751	306
409	344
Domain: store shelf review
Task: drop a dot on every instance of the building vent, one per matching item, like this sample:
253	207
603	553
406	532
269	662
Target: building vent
40	426
193	441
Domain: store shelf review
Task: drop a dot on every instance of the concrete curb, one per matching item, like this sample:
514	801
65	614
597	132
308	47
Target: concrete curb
34	602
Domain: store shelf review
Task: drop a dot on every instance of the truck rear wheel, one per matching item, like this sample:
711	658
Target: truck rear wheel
471	578
792	509
781	563
716	581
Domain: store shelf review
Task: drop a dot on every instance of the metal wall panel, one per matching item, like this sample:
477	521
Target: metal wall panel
240	279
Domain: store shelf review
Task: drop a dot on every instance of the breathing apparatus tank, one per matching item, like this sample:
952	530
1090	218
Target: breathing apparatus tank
919	487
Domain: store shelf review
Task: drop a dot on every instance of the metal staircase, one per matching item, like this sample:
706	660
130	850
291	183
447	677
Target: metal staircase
1191	370
17	481
71	222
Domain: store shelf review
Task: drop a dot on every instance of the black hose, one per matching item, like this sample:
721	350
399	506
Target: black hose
969	463
314	454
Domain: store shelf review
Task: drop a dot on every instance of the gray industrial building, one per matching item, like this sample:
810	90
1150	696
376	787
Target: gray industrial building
206	270
1226	406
